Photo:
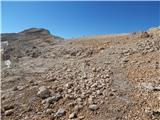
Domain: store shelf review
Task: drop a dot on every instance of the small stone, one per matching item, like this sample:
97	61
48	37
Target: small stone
68	85
77	108
147	86
46	105
69	90
81	117
8	107
34	84
79	100
156	88
21	87
43	101
156	113
72	115
72	104
43	92
52	80
29	109
49	111
99	92
84	76
90	100
61	112
39	113
113	90
52	99
94	85
94	69
15	88
93	107
31	81
60	89
9	112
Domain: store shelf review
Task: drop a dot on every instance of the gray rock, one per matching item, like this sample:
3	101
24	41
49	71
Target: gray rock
43	92
9	112
52	99
61	112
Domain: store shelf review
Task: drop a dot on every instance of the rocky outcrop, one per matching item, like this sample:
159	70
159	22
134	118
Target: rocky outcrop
26	43
39	31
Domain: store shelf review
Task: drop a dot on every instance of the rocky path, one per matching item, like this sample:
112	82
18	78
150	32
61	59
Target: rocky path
95	78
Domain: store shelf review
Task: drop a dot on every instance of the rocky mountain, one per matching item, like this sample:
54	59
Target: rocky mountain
106	77
27	42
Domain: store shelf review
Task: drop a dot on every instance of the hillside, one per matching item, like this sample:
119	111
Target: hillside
105	77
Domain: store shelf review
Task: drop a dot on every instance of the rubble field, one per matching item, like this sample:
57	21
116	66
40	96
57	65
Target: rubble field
105	77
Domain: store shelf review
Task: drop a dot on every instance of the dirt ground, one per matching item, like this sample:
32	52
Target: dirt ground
106	77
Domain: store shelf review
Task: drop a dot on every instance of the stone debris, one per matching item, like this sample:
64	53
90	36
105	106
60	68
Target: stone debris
89	78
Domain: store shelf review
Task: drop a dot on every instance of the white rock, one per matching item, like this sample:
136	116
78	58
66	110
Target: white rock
147	86
72	115
81	117
7	63
68	85
93	107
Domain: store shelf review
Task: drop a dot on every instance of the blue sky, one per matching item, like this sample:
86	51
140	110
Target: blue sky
75	19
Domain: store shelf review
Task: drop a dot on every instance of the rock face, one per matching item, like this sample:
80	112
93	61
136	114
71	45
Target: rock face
113	77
